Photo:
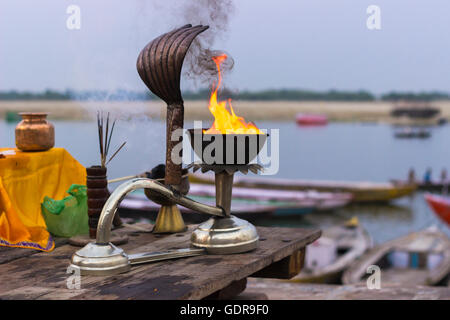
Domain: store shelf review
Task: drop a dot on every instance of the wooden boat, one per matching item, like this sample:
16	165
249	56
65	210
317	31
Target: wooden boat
12	116
361	191
440	186
319	201
250	200
143	204
435	185
419	258
311	119
440	206
275	289
415	111
413	133
137	205
328	257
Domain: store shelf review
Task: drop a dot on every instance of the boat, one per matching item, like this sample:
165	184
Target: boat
328	257
318	201
136	205
419	258
250	201
415	111
440	186
285	204
311	119
440	206
415	114
442	121
434	185
413	133
361	191
12	116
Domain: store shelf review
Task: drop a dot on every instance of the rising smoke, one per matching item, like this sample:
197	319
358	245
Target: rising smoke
198	65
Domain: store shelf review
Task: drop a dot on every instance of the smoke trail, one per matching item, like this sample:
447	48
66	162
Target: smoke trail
198	65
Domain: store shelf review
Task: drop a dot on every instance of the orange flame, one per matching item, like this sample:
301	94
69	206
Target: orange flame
224	121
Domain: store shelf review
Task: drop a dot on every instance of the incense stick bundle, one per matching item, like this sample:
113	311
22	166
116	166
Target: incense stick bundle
104	137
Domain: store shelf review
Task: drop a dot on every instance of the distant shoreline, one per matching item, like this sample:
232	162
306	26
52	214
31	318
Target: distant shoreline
365	111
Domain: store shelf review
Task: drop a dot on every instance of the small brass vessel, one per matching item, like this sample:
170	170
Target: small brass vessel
34	132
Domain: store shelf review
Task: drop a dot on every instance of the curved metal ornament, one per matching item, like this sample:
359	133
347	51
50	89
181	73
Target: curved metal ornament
159	64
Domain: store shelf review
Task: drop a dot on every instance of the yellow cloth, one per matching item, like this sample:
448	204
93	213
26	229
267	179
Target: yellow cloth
25	179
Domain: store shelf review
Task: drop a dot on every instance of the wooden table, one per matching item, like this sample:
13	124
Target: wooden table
30	274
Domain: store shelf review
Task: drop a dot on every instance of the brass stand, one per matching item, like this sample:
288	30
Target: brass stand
169	220
229	234
224	186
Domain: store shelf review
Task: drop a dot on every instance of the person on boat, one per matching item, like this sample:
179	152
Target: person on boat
427	177
444	181
411	176
443	175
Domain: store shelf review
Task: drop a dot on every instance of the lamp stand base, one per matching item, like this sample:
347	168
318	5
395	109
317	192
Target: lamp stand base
169	220
225	235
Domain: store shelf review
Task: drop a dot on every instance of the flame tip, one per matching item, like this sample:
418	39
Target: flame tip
224	121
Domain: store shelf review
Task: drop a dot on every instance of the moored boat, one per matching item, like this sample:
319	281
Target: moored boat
361	191
328	257
419	258
440	206
311	119
319	201
249	201
413	133
136	205
434	185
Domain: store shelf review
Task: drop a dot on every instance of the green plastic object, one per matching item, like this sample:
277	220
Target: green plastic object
67	217
12	116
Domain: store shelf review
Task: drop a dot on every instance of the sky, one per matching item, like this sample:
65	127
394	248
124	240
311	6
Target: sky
307	44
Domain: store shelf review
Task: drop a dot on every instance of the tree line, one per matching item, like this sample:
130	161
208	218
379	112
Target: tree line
204	94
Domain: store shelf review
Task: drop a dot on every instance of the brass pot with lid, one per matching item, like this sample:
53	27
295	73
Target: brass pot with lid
34	132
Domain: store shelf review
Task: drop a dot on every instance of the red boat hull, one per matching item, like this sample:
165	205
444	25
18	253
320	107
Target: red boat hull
440	206
311	120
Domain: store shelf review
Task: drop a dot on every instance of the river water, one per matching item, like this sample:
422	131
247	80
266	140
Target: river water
338	151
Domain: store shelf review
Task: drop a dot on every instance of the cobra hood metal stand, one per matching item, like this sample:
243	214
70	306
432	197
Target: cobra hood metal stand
159	65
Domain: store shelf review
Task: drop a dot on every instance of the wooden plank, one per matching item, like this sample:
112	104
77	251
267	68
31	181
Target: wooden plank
10	253
230	291
191	278
283	290
286	268
40	293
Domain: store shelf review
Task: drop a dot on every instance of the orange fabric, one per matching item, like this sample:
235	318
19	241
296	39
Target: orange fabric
25	179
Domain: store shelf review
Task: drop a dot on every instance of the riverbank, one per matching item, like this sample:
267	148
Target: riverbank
377	111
